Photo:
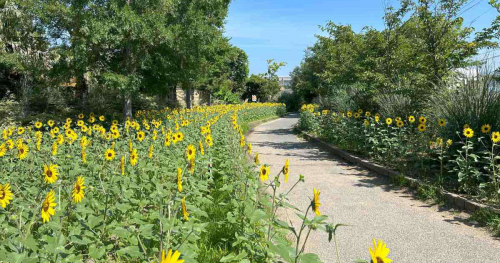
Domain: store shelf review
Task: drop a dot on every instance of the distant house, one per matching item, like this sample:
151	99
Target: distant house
285	81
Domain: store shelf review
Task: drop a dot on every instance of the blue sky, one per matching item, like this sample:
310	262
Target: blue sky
282	30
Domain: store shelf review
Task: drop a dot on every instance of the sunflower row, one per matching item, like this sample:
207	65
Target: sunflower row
414	141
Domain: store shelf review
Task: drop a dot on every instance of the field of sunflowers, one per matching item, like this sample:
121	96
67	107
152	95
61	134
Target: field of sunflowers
466	162
93	188
169	186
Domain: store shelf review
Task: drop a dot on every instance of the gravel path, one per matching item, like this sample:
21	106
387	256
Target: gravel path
413	230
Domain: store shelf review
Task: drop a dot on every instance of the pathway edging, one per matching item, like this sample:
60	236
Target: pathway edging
454	199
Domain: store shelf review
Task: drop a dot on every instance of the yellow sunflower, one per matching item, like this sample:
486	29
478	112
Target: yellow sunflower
171	257
78	192
122	165
134	157
400	124
22	151
495	137
486	128
81	116
209	140
102	118
466	126
179	180
184	209
388	121
411	119
367	114
264	173
257	162
54	148
38	125
48	206
109	155
442	122
167	140
449	142
422	127
50	123
190	152
380	252
3	150
20	130
179	136
202	149
5	195
50	172
150	152
286	169
315	203
422	119
140	136
469	133
366	123
249	148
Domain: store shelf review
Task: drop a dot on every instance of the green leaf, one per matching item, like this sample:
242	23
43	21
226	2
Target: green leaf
96	253
257	215
309	258
132	251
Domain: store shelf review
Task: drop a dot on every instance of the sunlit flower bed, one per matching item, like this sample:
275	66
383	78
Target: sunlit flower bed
466	161
168	186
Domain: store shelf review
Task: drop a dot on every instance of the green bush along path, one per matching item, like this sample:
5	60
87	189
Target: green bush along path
414	231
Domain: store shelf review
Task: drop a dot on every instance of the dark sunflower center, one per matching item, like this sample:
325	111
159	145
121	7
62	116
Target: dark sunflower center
49	173
190	152
78	188
21	151
110	154
45	206
264	172
2	195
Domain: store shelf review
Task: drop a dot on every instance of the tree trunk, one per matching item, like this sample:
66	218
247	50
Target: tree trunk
127	105
26	93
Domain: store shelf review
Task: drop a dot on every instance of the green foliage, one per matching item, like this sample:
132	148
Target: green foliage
423	41
422	149
265	86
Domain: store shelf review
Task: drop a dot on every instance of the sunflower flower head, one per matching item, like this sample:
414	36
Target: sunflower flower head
184	209
257	162
134	157
286	169
442	122
468	132
78	192
171	257
388	121
190	152
411	119
495	137
48	206
202	150
422	127
50	173
422	120
122	165
379	252
486	128
109	154
22	151
179	180
5	195
315	203
264	173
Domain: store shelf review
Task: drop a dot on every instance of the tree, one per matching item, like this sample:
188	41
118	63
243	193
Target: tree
264	85
24	50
